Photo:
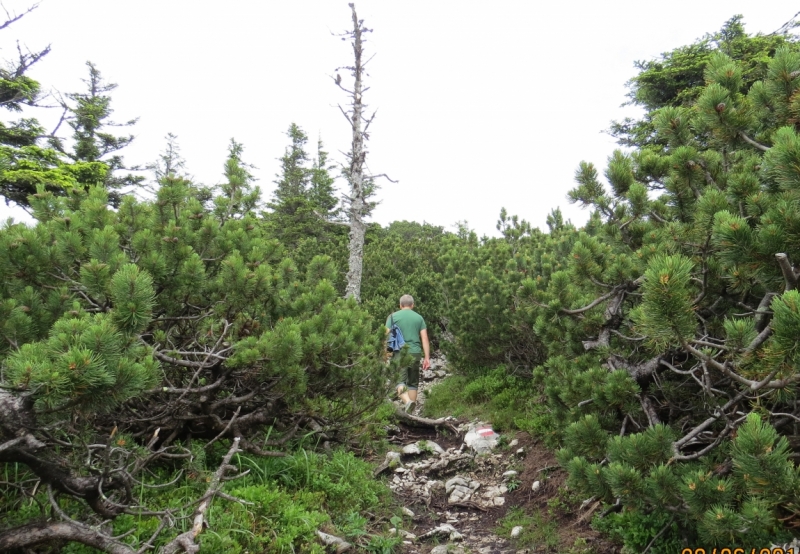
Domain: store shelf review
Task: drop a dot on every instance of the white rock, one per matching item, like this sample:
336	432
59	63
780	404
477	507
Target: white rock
454	482
407	512
456	536
340	544
516	531
459	494
536	485
520	451
440	549
400	470
435	447
435	485
509	474
405	534
513	443
499	501
421	447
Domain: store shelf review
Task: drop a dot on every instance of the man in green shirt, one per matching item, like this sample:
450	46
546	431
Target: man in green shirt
415	334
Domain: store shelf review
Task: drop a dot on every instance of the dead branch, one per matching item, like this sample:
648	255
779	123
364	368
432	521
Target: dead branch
753	143
424	421
790	276
185	542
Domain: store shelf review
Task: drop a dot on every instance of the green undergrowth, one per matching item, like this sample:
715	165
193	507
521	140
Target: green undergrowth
506	400
537	529
287	500
636	530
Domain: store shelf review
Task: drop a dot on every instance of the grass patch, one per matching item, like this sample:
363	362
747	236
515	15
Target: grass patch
537	529
502	398
291	498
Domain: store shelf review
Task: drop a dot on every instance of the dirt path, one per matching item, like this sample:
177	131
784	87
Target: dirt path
467	502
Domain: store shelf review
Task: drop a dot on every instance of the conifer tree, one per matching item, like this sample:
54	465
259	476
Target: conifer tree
88	115
25	163
321	191
303	204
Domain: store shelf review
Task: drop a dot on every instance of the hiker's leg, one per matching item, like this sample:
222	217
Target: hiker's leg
402	386
403	393
412	378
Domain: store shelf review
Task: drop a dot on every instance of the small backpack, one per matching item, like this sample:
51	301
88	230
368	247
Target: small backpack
396	340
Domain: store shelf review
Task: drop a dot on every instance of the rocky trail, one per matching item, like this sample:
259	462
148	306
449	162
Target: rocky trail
463	485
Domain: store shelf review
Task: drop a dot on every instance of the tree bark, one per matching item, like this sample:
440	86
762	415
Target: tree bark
355	173
38	533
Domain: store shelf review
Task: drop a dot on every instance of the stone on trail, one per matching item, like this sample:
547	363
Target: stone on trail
339	544
481	438
423	446
516	531
455	482
509	474
407	512
403	533
447	549
445	529
536	485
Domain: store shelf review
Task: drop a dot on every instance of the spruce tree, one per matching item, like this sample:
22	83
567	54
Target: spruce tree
303	204
88	115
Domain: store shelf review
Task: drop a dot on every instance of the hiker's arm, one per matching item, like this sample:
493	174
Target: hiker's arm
426	348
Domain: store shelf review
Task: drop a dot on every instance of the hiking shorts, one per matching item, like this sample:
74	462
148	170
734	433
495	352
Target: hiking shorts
409	375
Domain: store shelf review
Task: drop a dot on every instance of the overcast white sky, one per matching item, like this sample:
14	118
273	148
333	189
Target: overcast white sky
480	104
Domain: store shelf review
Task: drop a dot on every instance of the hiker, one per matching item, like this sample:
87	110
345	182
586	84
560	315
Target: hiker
415	334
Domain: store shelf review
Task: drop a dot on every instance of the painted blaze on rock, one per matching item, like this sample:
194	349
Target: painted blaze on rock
481	438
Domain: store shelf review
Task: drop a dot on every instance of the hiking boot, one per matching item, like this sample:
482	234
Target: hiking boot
410	406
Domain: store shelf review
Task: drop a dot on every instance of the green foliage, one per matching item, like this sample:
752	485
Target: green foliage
304	205
86	360
537	528
504	399
636	530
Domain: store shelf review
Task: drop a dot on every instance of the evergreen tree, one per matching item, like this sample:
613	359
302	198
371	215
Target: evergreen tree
321	191
303	204
25	163
88	116
676	78
239	197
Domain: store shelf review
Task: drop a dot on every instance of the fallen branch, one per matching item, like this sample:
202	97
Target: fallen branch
424	421
185	542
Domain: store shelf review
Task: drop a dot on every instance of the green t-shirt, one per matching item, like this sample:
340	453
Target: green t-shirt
411	324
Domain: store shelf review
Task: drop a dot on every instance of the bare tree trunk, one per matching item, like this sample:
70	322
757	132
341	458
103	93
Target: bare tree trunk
355	173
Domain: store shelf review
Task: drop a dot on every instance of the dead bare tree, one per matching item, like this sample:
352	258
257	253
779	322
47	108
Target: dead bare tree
361	184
